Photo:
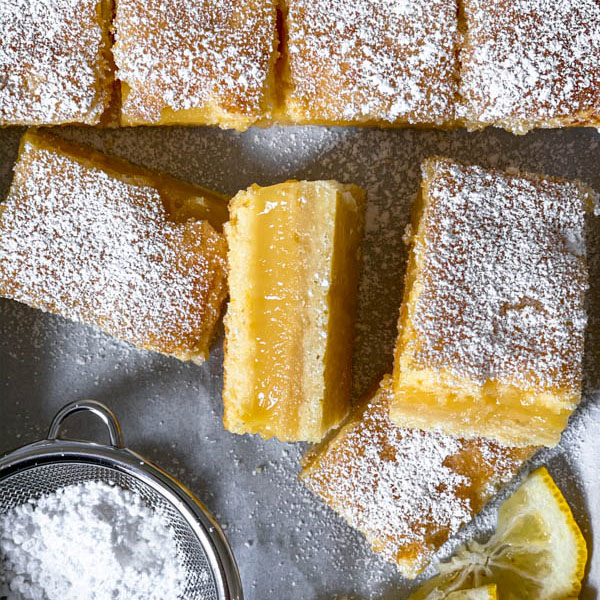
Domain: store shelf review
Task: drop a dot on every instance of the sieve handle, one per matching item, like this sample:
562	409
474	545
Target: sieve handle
99	409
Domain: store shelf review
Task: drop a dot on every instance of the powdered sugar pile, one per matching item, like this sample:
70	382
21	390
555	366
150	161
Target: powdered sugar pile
90	541
182	55
360	60
531	61
52	66
503	277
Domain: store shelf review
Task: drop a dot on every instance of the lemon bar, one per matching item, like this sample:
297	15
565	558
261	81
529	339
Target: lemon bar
359	62
204	62
55	63
531	63
406	490
97	240
491	329
294	263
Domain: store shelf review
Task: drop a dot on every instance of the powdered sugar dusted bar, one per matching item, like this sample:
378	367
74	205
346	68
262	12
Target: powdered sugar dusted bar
96	240
54	61
202	62
531	63
491	329
383	63
294	262
406	490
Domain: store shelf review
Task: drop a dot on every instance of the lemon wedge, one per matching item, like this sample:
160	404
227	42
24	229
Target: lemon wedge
487	592
537	552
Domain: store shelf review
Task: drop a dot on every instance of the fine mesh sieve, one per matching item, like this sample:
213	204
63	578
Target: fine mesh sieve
43	467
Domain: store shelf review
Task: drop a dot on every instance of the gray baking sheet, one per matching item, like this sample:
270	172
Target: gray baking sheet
288	545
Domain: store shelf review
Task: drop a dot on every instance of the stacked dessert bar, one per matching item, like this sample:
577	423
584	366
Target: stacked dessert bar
488	363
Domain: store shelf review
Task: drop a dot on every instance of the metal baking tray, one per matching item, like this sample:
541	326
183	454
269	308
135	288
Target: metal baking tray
288	545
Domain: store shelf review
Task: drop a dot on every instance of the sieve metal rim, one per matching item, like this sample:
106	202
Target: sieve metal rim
115	455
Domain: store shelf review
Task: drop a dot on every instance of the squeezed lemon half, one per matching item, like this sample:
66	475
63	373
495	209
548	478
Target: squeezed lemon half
537	552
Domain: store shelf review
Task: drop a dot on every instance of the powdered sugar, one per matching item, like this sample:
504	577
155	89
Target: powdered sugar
407	490
80	243
365	60
502	283
91	541
531	63
182	55
52	62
